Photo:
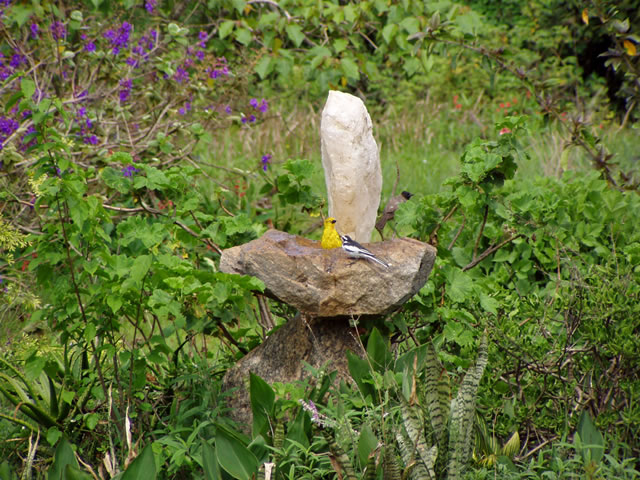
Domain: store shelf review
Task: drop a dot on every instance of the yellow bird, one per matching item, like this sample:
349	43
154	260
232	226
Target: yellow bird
330	236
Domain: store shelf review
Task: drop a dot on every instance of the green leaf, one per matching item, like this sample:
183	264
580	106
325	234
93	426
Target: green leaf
234	457
72	473
226	28
239	5
262	399
378	351
339	45
143	467
350	68
115	179
460	285
367	442
76	15
53	435
114	302
210	462
64	456
591	438
294	32
361	374
28	87
243	36
264	67
490	304
389	31
410	24
140	267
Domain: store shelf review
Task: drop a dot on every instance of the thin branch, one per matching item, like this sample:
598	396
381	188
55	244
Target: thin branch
484	222
489	251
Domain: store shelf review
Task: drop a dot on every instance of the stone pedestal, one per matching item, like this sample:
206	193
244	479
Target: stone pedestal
328	288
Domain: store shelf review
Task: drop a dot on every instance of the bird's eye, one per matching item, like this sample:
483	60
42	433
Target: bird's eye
333	221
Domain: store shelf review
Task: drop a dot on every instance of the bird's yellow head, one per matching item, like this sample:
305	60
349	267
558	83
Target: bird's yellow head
329	221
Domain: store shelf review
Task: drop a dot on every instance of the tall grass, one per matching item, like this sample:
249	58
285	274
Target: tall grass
423	142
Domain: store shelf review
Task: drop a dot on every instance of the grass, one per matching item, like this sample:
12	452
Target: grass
424	143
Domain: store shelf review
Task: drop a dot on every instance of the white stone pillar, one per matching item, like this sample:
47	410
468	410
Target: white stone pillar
351	165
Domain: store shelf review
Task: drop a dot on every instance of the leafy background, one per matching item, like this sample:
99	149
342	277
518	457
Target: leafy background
139	139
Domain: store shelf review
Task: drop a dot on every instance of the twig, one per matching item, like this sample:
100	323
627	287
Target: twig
484	222
455	237
489	251
271	2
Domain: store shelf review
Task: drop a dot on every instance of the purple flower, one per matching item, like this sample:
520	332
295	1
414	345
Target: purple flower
89	123
129	171
131	61
263	106
7	127
58	30
202	36
266	160
124	96
252	118
82	111
126	85
181	75
91	140
181	111
228	109
149	5
200	55
16	60
34	30
90	46
119	39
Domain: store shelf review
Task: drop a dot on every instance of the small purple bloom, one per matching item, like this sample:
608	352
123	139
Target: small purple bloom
129	171
131	61
90	47
16	60
254	102
202	35
89	123
252	118
119	39
200	55
264	106
181	111
58	30
34	30
228	109
181	75
149	5
82	111
91	140
266	160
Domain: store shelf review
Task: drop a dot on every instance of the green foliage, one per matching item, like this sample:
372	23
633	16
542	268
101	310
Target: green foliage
115	206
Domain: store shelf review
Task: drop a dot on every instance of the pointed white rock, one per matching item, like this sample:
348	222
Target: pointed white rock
351	163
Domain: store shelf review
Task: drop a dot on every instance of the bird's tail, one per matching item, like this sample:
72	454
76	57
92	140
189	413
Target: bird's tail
376	259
